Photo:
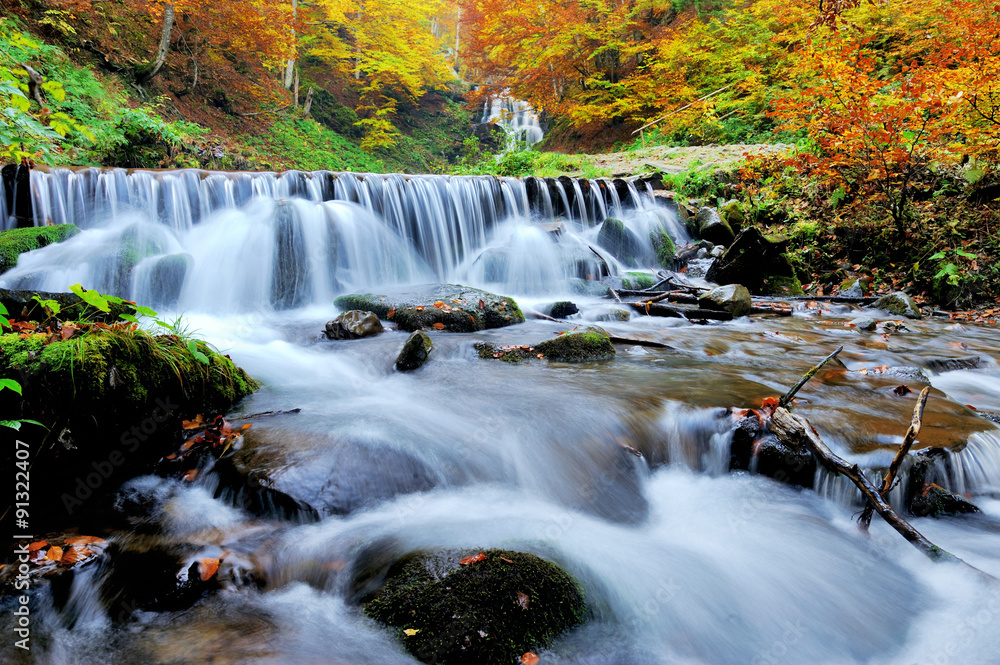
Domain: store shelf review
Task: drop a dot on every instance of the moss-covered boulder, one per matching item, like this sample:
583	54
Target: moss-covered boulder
491	610
592	343
624	245
666	250
757	263
440	306
732	212
415	352
637	280
15	242
899	304
712	227
511	353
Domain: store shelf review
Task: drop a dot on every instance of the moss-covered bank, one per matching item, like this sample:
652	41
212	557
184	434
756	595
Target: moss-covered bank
491	610
15	242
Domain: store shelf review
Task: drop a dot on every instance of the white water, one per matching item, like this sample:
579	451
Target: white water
681	561
517	118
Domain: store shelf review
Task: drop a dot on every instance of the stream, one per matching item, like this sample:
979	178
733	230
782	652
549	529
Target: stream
682	561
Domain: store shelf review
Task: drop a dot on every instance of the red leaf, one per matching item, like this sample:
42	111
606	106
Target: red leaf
529	659
522	600
439	326
207	568
476	558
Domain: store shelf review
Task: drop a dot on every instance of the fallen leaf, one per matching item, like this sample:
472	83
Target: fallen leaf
529	659
476	558
37	545
207	568
410	632
199	421
522	600
439	305
75	554
67	330
392	313
482	305
439	326
55	553
902	390
503	558
191	475
420	308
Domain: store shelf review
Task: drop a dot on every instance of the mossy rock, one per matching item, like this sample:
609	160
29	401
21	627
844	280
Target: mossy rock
732	212
592	343
15	242
637	280
506	353
456	308
663	245
899	304
782	285
624	245
490	611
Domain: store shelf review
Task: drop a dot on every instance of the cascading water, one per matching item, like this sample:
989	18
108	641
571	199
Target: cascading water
682	561
516	117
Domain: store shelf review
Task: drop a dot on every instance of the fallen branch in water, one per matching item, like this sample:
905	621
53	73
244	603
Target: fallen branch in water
795	430
639	342
904	449
690	313
614	293
534	314
784	401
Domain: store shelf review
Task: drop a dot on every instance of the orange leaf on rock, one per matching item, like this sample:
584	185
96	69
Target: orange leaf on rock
67	330
191	475
902	390
420	308
392	313
84	540
55	553
476	558
207	568
199	421
75	554
439	326
439	305
529	658
37	545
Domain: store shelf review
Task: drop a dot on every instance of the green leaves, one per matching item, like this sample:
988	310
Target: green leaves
10	384
92	298
192	347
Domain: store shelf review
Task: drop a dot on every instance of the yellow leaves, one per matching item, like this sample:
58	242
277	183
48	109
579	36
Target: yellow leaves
410	632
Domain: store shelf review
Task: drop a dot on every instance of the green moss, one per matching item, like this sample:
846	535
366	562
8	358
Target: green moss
15	242
110	378
590	344
490	611
637	280
459	308
782	286
663	244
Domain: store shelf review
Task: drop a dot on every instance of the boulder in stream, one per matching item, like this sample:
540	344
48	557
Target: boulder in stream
487	607
712	227
757	263
592	343
440	306
15	242
899	303
563	309
732	298
624	245
415	352
354	324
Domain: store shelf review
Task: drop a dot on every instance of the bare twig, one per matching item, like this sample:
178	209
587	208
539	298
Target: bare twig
904	450
784	401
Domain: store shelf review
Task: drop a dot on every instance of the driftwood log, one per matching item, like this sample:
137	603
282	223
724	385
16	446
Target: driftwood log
904	449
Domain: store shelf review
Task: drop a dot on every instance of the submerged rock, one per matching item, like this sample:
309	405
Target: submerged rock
354	324
712	227
563	309
494	608
936	501
415	352
663	245
15	242
899	304
441	306
593	343
866	324
952	364
732	298
759	264
624	245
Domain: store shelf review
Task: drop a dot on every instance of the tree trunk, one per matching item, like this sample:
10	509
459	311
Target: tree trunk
290	67
164	47
309	102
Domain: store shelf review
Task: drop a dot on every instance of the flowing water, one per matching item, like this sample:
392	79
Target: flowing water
516	117
682	562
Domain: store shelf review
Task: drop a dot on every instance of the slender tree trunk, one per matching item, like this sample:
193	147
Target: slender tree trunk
458	34
309	102
290	67
164	47
295	89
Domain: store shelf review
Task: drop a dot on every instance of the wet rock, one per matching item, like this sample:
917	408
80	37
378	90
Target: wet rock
616	315
732	298
15	242
747	429
492	610
952	364
563	309
936	501
853	288
788	464
899	304
415	352
166	278
759	264
507	353
663	245
153	580
591	343
441	306
717	251
712	227
624	245
732	212
354	324
865	324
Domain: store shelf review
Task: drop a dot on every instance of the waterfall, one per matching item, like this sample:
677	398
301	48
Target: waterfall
516	117
201	240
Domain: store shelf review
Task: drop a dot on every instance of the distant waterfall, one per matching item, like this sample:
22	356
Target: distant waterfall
516	116
203	240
